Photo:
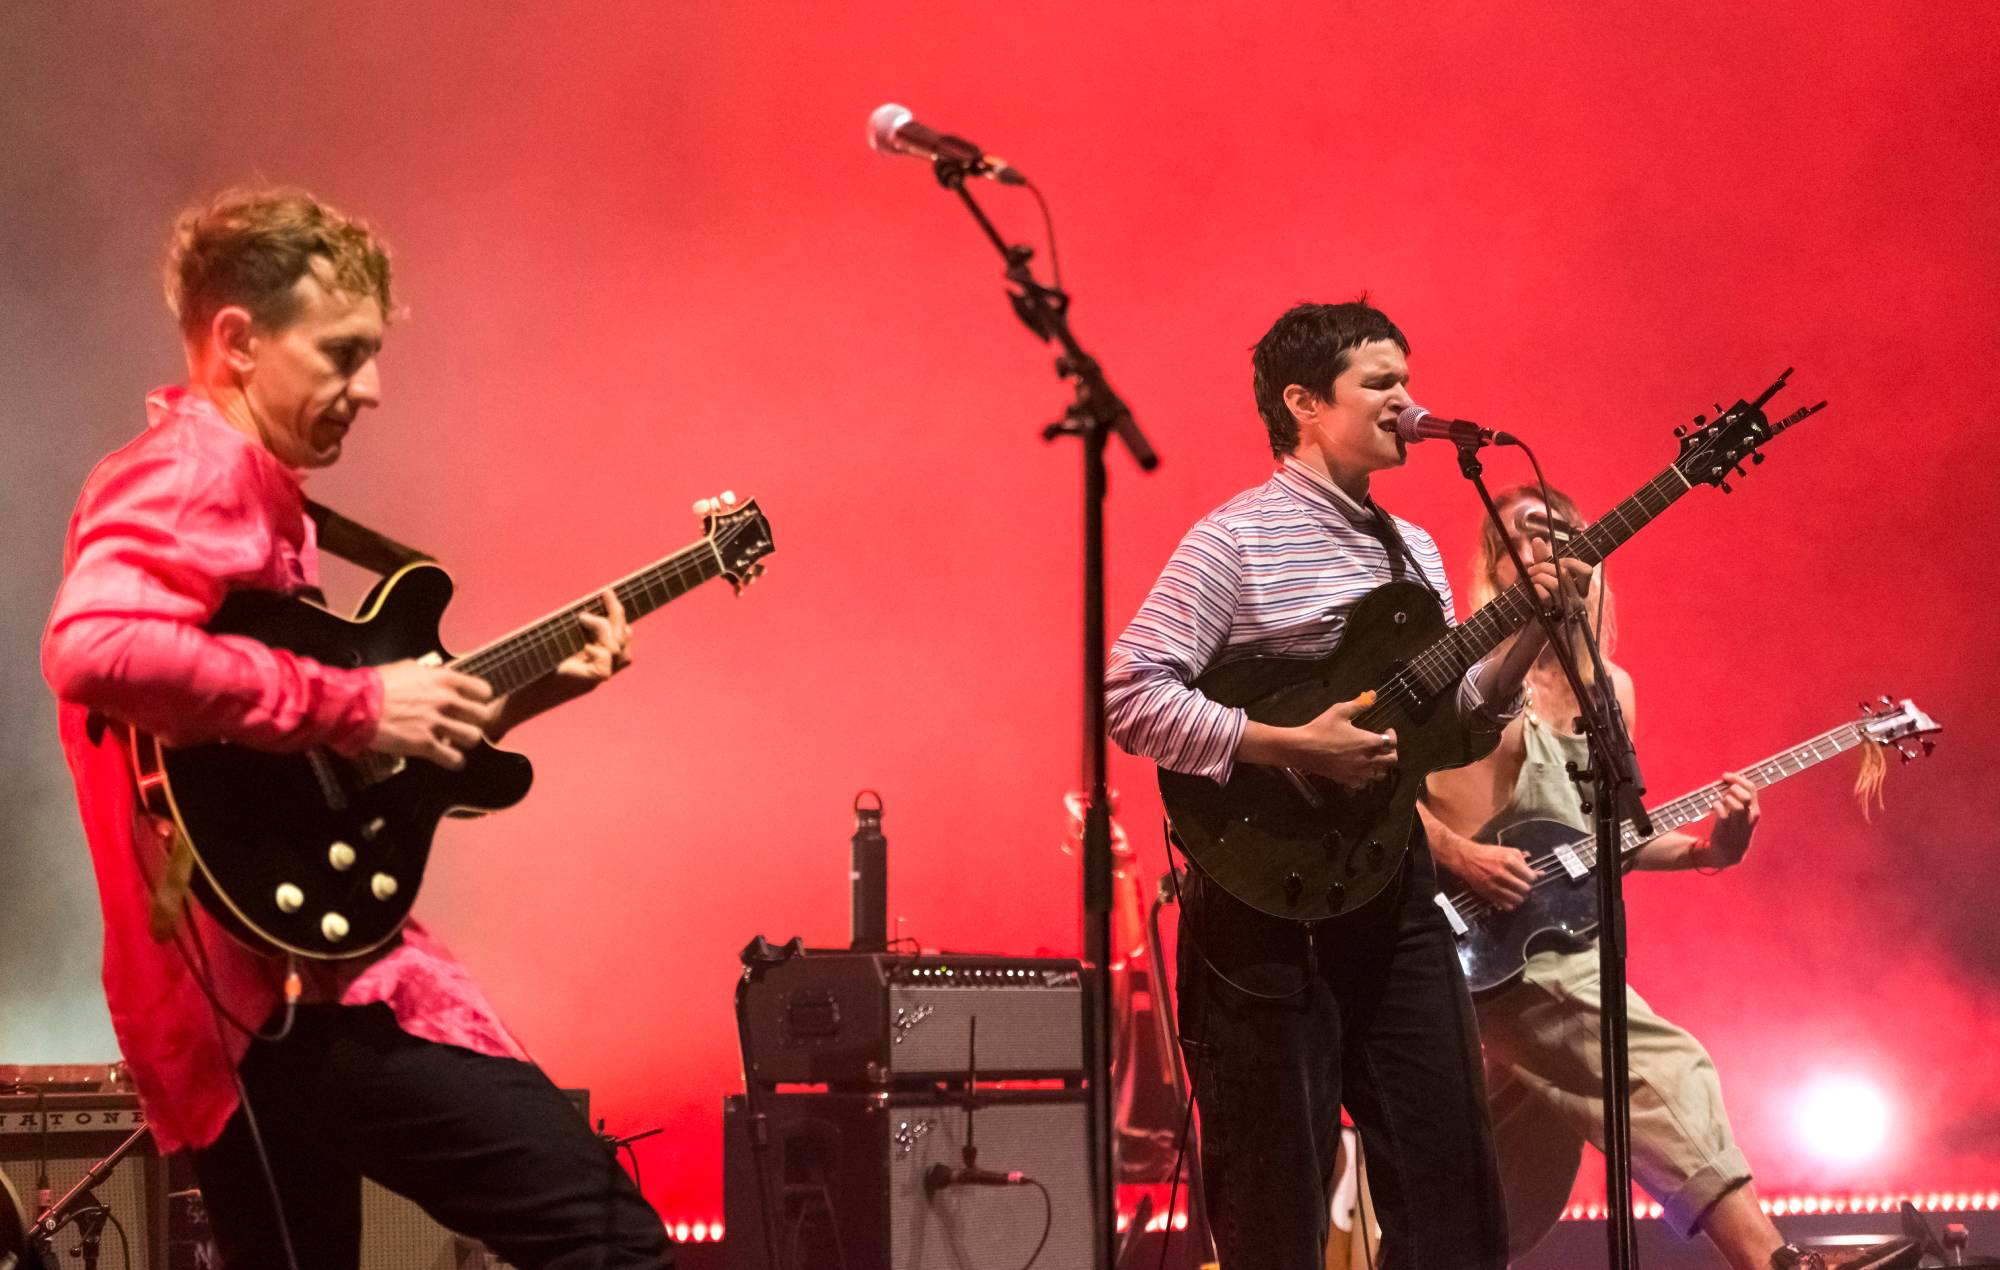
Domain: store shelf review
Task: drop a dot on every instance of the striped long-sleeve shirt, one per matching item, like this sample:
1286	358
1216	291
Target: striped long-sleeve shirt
1274	572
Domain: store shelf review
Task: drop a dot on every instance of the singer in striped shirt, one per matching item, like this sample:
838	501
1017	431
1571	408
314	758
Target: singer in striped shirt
1284	1022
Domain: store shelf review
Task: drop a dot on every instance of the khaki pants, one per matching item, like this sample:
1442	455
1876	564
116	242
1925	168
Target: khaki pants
1541	1043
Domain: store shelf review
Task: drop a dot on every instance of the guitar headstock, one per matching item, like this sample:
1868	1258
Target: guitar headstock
1901	724
738	534
1713	449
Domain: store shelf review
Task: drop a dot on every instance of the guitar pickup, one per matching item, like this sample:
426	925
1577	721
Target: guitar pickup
1304	786
1571	862
1458	926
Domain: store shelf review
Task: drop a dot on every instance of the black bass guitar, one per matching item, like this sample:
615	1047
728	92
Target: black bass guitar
321	856
1297	845
1561	908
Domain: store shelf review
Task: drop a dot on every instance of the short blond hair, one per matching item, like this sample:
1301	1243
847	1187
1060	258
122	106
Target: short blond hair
250	245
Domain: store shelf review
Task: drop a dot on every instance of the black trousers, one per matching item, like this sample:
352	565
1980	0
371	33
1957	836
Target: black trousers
1370	1011
487	1146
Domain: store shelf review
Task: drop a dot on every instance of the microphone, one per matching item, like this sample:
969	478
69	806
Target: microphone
892	129
1416	424
939	1176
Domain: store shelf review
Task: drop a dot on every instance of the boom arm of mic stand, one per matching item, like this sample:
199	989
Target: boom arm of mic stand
1045	311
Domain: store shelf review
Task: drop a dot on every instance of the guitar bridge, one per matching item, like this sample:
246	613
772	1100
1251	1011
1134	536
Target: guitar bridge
1458	926
1571	862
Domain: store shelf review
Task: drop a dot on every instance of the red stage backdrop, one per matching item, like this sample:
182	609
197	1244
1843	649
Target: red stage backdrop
648	257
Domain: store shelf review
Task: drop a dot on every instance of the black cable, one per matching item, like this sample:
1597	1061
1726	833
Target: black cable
1180	1156
1048	1223
1187	929
243	1096
1048	228
1361	1196
124	1243
633	1154
203	977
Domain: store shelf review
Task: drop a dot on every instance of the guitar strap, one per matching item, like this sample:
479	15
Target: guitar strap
357	544
353	542
1401	559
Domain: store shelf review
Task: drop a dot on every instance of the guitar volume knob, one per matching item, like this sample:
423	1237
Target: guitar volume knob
334	927
289	898
382	886
340	856
1295	884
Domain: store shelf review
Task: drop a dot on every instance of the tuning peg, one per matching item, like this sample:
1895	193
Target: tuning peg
1929	745
1700	420
1867	710
1740	471
1907	753
729	497
703	506
1726	489
1756	458
1888	702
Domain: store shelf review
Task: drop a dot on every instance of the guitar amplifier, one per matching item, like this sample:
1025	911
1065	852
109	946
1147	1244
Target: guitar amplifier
873	1019
155	1201
76	1130
847	1177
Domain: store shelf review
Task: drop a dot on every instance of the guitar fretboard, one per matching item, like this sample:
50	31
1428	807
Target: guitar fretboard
1691	807
1445	662
525	656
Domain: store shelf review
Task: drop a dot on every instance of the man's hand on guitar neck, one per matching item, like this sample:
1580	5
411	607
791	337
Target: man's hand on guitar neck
432	713
608	651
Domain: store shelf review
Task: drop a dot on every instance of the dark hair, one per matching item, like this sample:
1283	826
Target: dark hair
1308	346
249	246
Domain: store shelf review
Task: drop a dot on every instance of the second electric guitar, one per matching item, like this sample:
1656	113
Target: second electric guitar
320	856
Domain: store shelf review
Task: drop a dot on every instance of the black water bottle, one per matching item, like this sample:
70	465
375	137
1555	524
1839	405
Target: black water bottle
868	874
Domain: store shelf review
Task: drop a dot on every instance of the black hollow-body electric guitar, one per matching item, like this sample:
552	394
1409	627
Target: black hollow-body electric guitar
1300	846
1561	909
321	856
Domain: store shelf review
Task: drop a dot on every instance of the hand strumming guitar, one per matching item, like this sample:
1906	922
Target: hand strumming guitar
433	713
1330	746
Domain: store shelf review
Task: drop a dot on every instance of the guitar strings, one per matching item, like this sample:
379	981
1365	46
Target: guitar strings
1548	866
1446	658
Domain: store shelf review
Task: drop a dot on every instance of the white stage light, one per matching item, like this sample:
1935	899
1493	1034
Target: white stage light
1843	1119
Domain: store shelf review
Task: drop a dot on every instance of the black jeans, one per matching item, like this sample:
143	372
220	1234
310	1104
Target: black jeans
488	1146
1373	1013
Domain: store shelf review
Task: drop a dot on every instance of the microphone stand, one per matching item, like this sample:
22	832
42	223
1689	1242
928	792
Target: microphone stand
1616	793
80	1203
1093	416
758	956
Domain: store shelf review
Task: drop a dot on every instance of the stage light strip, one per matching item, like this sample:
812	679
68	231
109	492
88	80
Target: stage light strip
1782	1206
1796	1205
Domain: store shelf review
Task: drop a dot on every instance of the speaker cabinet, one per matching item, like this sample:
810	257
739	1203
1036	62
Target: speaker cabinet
82	1128
77	1130
847	1177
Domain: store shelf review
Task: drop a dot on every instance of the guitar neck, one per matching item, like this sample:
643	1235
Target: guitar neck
533	651
1442	664
1689	808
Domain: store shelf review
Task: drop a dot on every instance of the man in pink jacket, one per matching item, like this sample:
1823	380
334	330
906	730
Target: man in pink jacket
392	1066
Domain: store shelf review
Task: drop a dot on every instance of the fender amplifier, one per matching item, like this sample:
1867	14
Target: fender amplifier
874	1019
847	1176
